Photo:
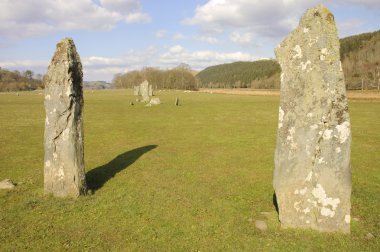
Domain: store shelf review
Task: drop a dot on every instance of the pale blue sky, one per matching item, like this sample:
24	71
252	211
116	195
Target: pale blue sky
114	36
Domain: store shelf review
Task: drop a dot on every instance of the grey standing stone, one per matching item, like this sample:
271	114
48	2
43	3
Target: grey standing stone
64	174
136	90
312	177
150	91
144	90
176	101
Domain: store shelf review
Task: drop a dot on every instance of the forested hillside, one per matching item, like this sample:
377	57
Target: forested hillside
240	75
360	57
15	81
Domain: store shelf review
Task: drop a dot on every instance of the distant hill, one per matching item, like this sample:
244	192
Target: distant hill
240	74
96	85
360	57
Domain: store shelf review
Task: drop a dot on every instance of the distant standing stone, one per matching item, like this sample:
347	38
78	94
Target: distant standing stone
64	174
136	90
150	91
261	225
176	101
144	90
155	101
312	176
7	184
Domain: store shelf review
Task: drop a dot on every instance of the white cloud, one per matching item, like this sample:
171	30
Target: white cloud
203	38
270	18
105	73
178	36
161	33
94	67
176	49
104	68
37	66
23	64
101	61
365	3
207	39
122	6
241	38
350	27
20	18
200	59
137	17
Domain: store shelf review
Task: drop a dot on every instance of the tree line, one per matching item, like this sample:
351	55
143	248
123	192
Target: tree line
257	74
19	81
360	55
180	77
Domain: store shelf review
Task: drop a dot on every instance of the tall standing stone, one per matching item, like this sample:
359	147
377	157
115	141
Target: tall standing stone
144	90
64	174
312	177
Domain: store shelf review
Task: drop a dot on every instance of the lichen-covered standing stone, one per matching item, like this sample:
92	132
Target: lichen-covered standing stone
144	90
64	174
312	177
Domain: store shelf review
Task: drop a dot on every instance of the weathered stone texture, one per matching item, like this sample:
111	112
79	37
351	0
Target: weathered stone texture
312	177
136	90
150	91
155	101
64	174
144	90
7	184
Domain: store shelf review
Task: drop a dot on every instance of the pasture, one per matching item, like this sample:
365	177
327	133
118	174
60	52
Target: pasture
165	178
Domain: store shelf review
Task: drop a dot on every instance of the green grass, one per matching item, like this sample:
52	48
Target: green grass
167	178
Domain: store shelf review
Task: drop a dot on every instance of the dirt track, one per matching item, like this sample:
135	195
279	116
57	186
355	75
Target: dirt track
360	95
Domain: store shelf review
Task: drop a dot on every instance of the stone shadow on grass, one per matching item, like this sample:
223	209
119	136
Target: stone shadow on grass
275	204
98	176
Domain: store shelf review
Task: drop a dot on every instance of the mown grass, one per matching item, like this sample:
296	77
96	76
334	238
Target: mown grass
167	178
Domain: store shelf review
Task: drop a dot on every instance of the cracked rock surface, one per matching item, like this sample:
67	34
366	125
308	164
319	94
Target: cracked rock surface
312	177
64	174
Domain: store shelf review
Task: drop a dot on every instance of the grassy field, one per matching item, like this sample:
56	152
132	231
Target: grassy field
167	178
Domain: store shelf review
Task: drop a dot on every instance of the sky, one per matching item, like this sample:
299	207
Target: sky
117	36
